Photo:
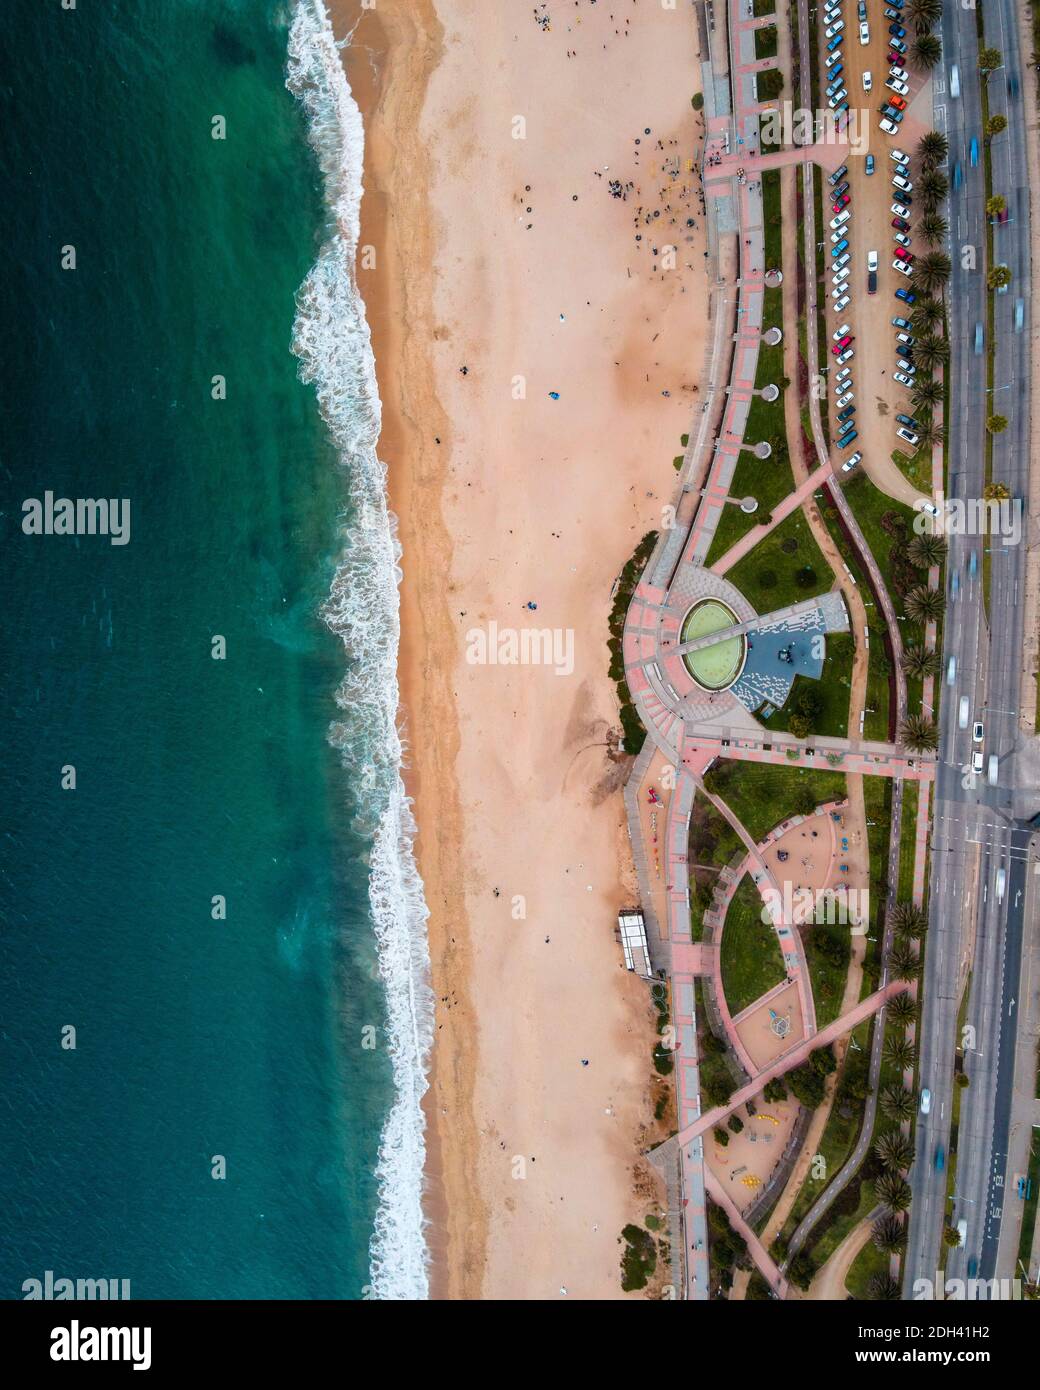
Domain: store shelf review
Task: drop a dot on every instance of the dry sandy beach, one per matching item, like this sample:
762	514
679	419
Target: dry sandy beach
511	258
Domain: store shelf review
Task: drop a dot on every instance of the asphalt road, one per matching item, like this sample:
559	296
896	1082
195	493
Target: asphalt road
972	926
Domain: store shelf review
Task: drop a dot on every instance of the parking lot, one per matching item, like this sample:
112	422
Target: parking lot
871	389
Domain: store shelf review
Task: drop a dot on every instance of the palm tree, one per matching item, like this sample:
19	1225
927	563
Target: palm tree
989	60
918	662
999	276
932	271
995	205
934	228
995	125
903	962
927	394
931	432
900	1053
933	147
902	1009
889	1234
925	52
996	492
924	605
884	1289
894	1150
893	1191
997	424
922	14
931	351
926	314
927	550
934	188
909	920
897	1103
918	732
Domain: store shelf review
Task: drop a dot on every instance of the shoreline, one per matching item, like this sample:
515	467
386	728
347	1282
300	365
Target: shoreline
389	64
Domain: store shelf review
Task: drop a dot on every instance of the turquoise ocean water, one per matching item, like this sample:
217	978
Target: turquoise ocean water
270	777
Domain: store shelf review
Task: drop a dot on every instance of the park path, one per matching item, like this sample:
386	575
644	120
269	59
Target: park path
829	1284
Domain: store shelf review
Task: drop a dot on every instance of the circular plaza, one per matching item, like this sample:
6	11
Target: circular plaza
713	665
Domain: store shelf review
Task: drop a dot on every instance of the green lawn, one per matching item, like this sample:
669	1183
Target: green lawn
1025	1243
764	7
766	41
750	958
767	575
764	794
771	219
828	968
907	836
868	1262
834	685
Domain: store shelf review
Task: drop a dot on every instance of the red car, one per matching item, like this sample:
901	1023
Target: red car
839	348
842	202
898	102
900	224
893	56
902	254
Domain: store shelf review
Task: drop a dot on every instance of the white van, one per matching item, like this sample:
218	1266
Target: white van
962	1225
963	711
955	81
1001	883
993	769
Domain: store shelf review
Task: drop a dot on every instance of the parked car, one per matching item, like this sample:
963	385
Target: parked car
900	224
902	267
900	323
843	375
836	100
834	43
847	356
868	165
890	13
907	296
902	379
901	210
904	185
840	220
901	239
868	81
850	463
897	45
836	28
908	421
843	259
897	31
840	203
908	436
841	344
899	157
843	303
902	254
899	102
838	174
897	85
889	127
845	400
900	74
864	32
905	365
905	339
834	58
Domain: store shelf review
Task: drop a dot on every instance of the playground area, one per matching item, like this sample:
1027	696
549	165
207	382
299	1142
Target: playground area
772	1025
744	1164
818	855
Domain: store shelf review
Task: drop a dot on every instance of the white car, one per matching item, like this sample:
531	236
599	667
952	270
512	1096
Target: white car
843	303
840	282
902	239
872	260
835	28
908	435
903	268
843	259
905	366
899	157
976	760
846	356
977	731
902	379
838	292
844	374
868	82
841	332
840	219
845	400
901	75
850	464
864	32
895	84
838	97
901	210
837	236
889	127
903	184
926	1101
905	338
835	57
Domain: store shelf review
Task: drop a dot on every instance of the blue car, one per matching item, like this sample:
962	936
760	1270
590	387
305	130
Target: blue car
973	563
958	174
940	1159
897	31
870	164
846	440
907	296
973	153
973	1267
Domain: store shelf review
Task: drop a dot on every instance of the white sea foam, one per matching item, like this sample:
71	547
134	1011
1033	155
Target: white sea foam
332	340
